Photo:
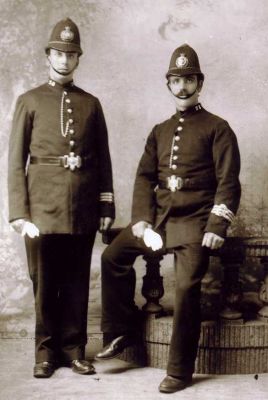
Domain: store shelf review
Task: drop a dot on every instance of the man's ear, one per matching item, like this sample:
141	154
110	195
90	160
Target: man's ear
48	60
168	86
200	85
77	63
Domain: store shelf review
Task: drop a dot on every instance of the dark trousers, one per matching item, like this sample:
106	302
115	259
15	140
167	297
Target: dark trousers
59	266
118	289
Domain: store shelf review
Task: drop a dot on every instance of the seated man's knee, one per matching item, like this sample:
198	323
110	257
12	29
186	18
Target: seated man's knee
108	255
115	255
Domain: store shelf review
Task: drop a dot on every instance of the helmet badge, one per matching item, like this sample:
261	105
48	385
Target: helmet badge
182	61
67	34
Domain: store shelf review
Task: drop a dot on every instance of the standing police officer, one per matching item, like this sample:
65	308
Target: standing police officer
187	188
60	194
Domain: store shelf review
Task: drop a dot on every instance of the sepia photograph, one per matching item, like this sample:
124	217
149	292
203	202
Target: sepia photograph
134	199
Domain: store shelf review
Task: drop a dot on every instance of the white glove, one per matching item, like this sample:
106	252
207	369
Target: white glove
17	225
139	228
30	229
152	239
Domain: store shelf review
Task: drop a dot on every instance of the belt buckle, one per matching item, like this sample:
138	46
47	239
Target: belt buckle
174	183
71	161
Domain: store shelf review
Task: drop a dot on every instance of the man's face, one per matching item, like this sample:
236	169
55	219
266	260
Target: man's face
183	86
64	63
186	89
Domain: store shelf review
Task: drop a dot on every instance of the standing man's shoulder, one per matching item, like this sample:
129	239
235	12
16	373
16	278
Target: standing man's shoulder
90	103
87	96
29	102
36	91
32	95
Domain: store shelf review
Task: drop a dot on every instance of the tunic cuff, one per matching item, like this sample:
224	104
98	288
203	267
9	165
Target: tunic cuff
217	225
107	209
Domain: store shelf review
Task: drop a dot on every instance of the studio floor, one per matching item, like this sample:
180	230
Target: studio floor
115	379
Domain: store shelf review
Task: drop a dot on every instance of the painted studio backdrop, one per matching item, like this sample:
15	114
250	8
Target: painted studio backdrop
127	45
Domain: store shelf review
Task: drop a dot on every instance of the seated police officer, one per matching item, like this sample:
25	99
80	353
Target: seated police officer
187	189
64	197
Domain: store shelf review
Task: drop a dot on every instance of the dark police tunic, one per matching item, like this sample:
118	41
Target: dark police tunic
194	145
55	198
65	201
201	149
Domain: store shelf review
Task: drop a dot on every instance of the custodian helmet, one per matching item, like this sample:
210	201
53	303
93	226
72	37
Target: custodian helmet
65	37
184	61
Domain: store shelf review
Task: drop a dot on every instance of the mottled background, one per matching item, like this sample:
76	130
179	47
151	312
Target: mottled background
127	46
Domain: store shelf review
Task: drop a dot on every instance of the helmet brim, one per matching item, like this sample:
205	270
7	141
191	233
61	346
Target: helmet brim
66	47
184	72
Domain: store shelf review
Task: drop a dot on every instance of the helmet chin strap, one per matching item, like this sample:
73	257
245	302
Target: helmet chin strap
60	73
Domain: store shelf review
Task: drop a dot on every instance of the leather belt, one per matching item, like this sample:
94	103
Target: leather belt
175	183
71	161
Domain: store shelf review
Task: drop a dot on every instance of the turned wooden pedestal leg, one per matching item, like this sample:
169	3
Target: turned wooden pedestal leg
152	288
231	259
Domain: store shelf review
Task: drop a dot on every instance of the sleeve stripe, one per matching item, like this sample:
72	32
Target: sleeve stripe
223	211
107	196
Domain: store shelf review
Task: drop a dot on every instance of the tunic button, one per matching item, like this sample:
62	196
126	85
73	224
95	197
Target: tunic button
71	131
181	119
65	93
176	148
68	101
175	157
71	121
179	128
177	138
72	142
174	166
69	110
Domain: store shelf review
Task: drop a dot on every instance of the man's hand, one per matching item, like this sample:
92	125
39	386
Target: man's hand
139	228
17	225
212	240
152	239
105	224
24	227
30	229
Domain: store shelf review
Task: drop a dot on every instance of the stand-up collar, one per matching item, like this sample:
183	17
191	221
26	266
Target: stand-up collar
58	86
189	111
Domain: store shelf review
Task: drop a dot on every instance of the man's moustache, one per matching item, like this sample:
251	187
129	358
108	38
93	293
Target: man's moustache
184	96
